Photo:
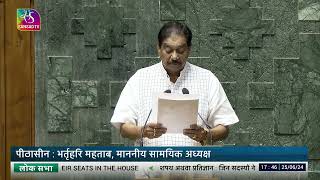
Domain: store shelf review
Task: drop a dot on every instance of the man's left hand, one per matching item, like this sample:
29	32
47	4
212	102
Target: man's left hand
196	133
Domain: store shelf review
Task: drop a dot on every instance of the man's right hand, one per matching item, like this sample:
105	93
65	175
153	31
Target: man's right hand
153	130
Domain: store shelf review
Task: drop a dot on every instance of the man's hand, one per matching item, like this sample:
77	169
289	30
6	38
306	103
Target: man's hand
196	133
153	130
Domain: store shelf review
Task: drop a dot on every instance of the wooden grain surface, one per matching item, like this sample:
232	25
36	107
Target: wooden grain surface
2	94
19	81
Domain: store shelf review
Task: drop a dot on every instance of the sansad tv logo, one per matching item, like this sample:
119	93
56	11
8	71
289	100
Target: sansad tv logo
28	20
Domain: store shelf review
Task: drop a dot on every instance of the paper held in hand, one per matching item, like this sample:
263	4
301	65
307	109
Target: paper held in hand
177	111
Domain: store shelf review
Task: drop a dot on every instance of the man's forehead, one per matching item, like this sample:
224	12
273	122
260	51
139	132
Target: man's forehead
174	45
175	41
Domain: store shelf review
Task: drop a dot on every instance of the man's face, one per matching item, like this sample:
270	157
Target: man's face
174	53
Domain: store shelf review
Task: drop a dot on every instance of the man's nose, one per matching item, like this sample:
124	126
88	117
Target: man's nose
174	55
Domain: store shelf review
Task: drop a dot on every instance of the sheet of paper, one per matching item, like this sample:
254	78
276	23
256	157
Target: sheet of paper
177	111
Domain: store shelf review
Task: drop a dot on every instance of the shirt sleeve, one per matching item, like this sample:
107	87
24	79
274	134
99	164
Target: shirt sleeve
126	109
220	109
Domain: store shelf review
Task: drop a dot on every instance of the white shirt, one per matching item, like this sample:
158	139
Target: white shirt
135	101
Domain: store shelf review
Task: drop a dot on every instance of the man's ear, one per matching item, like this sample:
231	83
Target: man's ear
189	50
158	49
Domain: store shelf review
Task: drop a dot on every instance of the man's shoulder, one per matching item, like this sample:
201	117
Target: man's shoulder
201	71
204	75
149	68
146	71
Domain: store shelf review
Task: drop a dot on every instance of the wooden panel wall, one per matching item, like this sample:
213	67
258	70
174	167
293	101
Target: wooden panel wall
2	94
17	83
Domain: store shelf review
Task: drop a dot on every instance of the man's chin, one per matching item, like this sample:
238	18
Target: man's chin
175	68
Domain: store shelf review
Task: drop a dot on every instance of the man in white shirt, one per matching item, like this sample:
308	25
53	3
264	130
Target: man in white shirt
173	74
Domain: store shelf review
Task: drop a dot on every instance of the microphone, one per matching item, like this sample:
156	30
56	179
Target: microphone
167	91
186	91
144	126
